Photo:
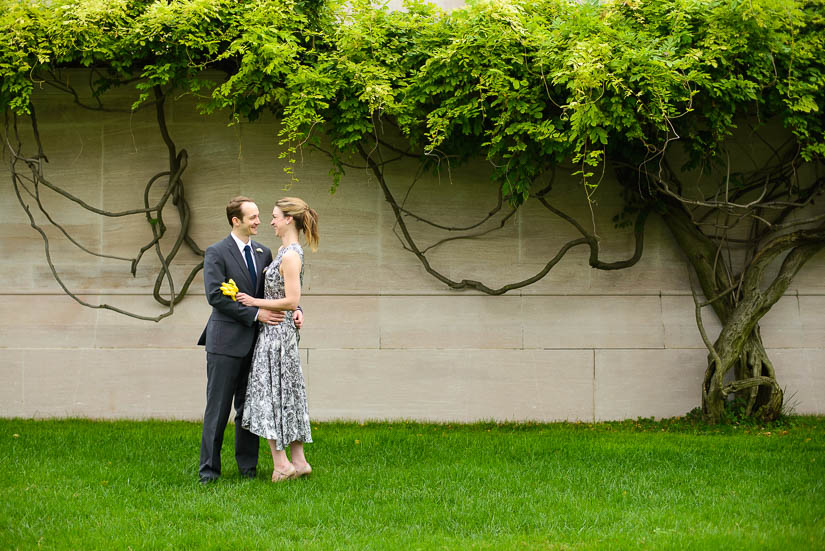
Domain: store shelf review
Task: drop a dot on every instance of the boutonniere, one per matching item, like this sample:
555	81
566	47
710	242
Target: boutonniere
259	250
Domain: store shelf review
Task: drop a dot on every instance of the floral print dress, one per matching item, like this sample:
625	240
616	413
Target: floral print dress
276	398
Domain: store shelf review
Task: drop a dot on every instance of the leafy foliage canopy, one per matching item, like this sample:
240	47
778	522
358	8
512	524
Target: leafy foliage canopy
524	84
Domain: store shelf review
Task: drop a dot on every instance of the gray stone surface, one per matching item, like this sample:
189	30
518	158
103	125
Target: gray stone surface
383	339
454	385
801	374
592	322
432	322
647	383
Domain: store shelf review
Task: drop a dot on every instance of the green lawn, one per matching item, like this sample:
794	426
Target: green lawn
74	484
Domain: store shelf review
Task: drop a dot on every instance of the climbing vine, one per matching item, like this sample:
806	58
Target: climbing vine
640	92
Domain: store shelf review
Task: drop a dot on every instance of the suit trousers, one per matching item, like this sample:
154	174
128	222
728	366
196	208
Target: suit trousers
226	376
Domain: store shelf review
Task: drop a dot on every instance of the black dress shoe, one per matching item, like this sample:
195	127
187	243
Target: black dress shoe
208	479
252	473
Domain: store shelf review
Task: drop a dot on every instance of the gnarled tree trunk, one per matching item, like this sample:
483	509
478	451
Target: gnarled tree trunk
740	302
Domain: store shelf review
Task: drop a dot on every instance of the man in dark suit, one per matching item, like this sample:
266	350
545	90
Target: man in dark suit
230	336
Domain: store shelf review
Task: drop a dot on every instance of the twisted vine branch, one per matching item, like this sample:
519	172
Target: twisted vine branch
765	198
409	243
28	175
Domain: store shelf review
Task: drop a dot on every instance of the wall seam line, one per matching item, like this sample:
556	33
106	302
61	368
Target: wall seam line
594	385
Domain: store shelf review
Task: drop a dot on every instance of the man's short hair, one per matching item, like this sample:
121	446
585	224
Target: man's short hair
233	209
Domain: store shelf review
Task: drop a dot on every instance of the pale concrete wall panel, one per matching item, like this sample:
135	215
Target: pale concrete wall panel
410	276
260	148
127	169
62	250
183	373
111	276
464	201
405	277
543	233
662	267
59	107
348	220
51	378
801	374
113	383
383	384
213	154
568	196
347	235
46	321
489	258
681	331
571	275
17	237
22	276
14	219
11	391
208	203
125	236
654	273
74	154
494	249
543	385
811	278
592	322
23	251
647	383
72	265
348	231
137	383
262	168
456	190
340	322
424	235
181	330
339	278
450	385
812	319
185	107
392	333
56	108
450	322
133	156
781	327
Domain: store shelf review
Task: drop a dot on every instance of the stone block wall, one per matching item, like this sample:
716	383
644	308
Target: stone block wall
383	339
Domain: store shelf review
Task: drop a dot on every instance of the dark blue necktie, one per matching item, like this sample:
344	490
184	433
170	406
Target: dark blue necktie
247	251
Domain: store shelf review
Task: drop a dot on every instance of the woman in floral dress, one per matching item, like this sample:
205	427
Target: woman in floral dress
276	400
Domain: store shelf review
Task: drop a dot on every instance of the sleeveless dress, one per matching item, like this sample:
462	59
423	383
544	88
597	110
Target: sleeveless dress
276	398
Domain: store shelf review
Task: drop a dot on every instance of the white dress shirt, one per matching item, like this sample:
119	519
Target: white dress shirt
241	246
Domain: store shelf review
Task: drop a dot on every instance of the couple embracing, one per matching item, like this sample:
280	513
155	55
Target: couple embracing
252	341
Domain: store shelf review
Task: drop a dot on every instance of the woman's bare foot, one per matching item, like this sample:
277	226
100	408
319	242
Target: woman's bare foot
284	472
302	469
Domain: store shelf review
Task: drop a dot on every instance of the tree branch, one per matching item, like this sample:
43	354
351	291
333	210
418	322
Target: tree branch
174	191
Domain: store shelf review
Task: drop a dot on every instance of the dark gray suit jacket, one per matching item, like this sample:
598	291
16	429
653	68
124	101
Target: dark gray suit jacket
232	328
